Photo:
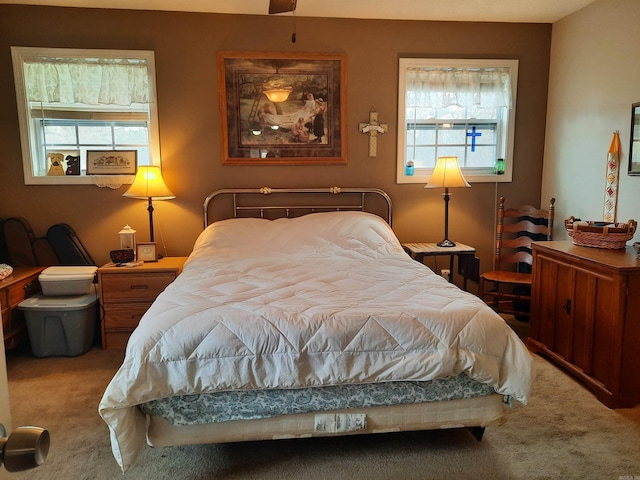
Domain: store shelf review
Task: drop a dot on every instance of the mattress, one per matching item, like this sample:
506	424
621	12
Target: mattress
321	300
250	405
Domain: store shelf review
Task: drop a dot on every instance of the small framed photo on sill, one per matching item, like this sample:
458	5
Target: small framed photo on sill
112	162
146	252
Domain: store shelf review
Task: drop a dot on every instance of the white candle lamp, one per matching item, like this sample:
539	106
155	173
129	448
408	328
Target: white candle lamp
127	238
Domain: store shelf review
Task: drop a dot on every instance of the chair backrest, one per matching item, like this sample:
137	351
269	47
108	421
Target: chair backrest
516	228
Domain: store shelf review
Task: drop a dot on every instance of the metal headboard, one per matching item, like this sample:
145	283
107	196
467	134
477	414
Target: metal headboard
262	202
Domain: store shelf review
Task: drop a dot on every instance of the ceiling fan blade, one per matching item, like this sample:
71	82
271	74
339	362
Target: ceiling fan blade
282	6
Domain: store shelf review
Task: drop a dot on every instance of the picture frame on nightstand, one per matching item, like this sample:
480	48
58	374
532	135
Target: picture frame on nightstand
146	252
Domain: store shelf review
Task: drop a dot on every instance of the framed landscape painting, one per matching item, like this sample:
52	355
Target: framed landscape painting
282	108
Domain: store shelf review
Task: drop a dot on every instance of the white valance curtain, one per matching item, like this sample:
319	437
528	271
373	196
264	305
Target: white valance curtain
90	82
465	87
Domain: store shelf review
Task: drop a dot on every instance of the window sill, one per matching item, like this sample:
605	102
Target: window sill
404	179
111	181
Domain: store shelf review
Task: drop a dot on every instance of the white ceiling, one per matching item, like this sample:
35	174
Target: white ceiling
534	11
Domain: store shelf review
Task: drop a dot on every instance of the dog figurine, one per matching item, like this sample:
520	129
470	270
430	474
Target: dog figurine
73	165
55	160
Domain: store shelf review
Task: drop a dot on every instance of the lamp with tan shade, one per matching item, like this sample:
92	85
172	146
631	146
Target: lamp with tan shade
149	185
447	174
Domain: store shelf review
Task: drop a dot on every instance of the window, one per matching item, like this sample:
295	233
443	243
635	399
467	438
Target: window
73	101
461	108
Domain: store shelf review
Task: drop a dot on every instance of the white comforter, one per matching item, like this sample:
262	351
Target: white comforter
327	298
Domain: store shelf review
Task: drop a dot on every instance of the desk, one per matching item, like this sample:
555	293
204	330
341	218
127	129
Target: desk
468	264
18	286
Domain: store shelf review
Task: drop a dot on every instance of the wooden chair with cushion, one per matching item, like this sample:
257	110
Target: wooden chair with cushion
507	288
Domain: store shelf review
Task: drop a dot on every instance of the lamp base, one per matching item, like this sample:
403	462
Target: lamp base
446	243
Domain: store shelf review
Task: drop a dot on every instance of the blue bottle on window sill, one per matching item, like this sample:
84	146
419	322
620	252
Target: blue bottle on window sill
409	168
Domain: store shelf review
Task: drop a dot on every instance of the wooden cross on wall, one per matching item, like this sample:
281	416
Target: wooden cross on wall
372	129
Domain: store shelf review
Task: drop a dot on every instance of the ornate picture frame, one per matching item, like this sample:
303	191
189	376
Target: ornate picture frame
282	108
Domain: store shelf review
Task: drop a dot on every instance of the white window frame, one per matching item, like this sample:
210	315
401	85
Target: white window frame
505	146
30	144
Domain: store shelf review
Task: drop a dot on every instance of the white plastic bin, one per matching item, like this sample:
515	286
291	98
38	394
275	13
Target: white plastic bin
67	280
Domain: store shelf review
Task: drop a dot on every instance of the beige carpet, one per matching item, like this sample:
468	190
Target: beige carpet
564	433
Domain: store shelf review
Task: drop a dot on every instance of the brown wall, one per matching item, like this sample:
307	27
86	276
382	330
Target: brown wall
185	46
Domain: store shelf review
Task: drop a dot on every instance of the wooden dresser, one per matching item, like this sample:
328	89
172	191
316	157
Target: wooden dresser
126	294
18	286
585	316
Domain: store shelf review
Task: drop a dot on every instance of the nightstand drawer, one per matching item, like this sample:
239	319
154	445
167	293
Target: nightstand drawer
116	340
124	317
118	287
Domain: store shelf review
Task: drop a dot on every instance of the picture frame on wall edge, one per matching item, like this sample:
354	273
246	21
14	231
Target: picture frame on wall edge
634	147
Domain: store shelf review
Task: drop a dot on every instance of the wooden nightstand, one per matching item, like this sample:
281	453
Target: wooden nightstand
18	286
126	294
468	264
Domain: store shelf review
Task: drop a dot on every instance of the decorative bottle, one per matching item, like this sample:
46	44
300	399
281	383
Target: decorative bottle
498	167
409	168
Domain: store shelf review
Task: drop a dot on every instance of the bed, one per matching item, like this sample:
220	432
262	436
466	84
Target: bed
313	324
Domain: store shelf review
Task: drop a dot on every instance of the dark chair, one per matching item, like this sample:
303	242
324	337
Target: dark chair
507	288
